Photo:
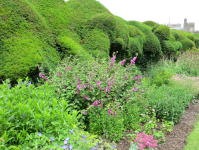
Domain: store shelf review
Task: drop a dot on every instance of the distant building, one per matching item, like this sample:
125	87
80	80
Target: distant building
188	27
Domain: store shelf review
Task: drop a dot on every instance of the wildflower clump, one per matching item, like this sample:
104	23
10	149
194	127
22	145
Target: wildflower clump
146	141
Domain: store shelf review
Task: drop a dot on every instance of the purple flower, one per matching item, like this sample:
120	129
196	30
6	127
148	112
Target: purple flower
51	149
71	131
56	145
70	147
39	134
51	138
58	74
64	147
83	136
85	141
113	146
98	82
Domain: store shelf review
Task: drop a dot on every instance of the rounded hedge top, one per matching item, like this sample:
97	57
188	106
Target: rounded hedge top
163	32
150	23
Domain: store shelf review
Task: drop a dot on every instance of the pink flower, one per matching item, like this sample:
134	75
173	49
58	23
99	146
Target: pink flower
98	82
46	79
43	76
135	89
85	97
125	77
69	68
114	114
106	89
79	86
118	106
123	61
77	79
108	69
96	103
109	112
84	112
64	86
84	85
137	77
58	74
100	88
92	86
101	106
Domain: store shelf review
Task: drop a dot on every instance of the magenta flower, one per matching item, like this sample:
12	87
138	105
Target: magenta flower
114	114
100	88
84	112
84	85
108	69
98	82
101	106
58	74
125	77
109	112
106	89
43	76
123	61
135	89
137	77
77	79
79	86
96	103
92	86
69	68
118	106
85	97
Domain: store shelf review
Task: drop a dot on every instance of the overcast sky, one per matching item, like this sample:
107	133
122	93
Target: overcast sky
156	10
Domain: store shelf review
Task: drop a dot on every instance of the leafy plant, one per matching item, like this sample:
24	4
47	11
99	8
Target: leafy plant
167	126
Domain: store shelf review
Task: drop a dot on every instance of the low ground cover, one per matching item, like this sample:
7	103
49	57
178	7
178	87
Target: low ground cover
89	104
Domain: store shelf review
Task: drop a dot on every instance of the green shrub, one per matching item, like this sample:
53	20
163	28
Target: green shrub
161	78
27	110
175	34
186	42
151	48
162	32
150	23
169	102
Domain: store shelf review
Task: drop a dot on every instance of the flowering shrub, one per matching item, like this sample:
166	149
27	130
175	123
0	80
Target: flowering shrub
106	121
82	82
146	141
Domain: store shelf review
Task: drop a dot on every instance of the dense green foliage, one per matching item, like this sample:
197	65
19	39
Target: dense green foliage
42	32
150	23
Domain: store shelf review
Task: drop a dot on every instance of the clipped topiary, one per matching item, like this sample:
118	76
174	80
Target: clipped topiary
150	23
162	32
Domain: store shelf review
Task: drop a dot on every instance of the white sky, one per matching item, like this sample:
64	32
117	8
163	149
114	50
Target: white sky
156	10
